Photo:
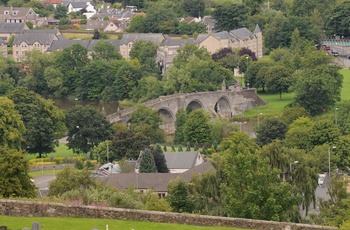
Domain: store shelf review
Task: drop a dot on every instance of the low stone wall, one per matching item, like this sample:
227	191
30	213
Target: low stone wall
44	209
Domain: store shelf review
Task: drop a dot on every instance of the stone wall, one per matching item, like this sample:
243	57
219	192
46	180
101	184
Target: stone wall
43	209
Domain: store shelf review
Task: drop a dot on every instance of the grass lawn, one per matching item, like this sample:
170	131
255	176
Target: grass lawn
345	93
18	223
35	174
61	151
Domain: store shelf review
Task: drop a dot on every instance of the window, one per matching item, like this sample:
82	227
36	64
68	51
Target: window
17	52
6	12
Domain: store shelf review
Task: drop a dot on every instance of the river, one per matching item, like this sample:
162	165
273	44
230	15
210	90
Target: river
106	108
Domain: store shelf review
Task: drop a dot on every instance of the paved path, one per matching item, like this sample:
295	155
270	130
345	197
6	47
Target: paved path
42	182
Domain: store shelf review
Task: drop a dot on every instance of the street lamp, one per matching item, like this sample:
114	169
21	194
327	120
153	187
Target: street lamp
329	160
259	118
335	116
240	125
247	58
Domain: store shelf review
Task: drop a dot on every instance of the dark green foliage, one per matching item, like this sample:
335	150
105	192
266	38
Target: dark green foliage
126	143
269	130
60	12
188	148
290	114
69	179
179	148
204	149
173	147
194	8
14	178
180	121
147	163
195	147
145	52
324	131
160	160
229	16
165	148
44	122
191	28
105	51
179	196
197	127
79	165
86	128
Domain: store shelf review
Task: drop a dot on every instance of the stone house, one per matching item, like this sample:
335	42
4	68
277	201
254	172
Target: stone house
106	26
157	182
9	29
180	162
18	15
34	40
129	39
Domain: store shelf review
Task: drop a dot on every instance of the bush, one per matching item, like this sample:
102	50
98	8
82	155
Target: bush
79	165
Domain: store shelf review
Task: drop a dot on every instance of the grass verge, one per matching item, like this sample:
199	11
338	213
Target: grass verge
55	223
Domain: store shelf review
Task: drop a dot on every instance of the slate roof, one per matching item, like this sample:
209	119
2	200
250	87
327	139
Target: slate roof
242	33
88	44
177	42
12	28
201	37
158	182
21	12
257	29
53	31
100	25
224	35
77	5
133	37
181	160
44	39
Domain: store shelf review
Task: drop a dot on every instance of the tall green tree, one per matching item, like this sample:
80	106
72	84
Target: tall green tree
179	196
197	128
180	121
159	159
147	163
194	8
11	126
105	51
14	178
278	80
86	128
61	12
145	52
229	16
147	121
160	19
44	122
269	130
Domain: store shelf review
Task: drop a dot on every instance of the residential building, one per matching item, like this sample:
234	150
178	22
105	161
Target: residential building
17	15
9	29
180	162
34	40
129	39
106	26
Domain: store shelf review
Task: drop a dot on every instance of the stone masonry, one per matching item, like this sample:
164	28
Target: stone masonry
44	209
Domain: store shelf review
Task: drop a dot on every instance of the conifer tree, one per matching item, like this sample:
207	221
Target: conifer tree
159	159
147	164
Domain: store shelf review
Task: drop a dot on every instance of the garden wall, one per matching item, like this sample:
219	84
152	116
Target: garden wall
43	209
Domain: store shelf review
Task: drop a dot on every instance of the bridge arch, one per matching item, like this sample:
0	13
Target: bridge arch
194	105
167	115
223	107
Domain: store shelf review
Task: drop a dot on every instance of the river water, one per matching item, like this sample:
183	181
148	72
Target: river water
104	107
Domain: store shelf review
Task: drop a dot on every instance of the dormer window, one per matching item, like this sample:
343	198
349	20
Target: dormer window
15	12
7	12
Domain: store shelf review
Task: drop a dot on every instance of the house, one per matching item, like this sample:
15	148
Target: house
209	23
106	26
85	6
17	15
157	182
129	39
239	38
167	51
34	40
180	162
9	29
53	2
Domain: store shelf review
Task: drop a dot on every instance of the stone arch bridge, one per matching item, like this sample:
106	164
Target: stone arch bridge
223	103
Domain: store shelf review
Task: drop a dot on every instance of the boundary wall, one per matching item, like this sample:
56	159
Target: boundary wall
45	209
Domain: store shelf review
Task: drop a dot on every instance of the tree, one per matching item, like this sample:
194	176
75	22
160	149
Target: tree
338	20
180	121
197	128
194	8
229	16
147	164
105	51
160	19
298	134
126	143
69	179
137	24
11	126
256	76
291	114
159	159
60	12
269	130
179	196
147	121
324	131
14	178
227	58
279	80
146	53
250	188
318	88
44	122
86	128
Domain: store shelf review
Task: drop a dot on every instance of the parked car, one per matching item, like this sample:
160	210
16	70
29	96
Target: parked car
320	181
327	47
335	54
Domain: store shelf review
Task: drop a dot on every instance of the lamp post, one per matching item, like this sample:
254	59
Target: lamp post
329	160
335	116
247	58
240	125
259	118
